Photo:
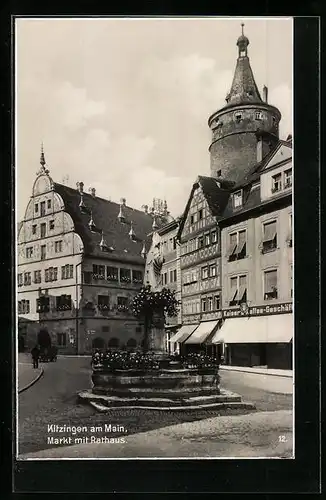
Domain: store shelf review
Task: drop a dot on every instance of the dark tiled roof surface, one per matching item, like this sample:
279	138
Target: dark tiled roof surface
216	196
105	216
243	88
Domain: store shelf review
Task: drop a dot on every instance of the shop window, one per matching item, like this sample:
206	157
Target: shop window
61	339
276	183
270	285
63	303
269	237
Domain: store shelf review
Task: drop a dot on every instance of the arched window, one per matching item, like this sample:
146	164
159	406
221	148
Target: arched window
132	343
114	342
238	116
98	343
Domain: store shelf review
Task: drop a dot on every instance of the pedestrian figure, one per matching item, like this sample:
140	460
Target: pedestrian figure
35	352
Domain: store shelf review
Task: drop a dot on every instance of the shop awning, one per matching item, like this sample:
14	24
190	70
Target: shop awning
252	330
202	332
184	332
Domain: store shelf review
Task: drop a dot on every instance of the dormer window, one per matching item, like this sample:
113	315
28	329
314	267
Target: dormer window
276	183
237	199
258	115
238	116
288	178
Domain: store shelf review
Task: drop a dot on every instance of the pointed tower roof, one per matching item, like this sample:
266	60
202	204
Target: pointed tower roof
243	88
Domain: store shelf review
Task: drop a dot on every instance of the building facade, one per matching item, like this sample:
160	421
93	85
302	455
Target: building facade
81	261
236	234
257	266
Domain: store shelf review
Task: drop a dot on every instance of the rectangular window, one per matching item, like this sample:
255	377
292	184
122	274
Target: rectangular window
63	303
103	302
270	284
289	240
258	115
122	304
49	203
58	246
112	273
67	271
232	246
270	237
204	272
200	242
105	329
20	279
288	178
51	225
203	305
43	304
216	302
210	303
87	277
174	275
101	272
36	208
212	270
171	276
37	277
51	274
46	275
276	183
174	243
137	277
165	278
42	208
34	228
125	275
29	252
238	290
62	339
27	278
214	236
23	307
200	214
207	239
291	282
237	199
43	230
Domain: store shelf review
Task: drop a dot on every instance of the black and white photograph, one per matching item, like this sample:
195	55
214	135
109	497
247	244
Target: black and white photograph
154	238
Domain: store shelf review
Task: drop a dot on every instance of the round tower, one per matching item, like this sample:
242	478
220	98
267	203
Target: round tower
246	128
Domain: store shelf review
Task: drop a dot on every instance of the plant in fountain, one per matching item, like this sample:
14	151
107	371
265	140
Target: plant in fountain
148	306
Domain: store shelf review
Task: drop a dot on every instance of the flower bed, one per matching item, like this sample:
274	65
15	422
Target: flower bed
113	361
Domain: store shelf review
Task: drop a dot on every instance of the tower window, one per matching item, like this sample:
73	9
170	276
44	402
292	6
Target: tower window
34	227
258	115
49	203
238	116
219	173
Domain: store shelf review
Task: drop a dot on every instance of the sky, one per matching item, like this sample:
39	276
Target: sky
122	104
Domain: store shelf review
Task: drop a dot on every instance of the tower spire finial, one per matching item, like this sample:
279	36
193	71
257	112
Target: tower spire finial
42	157
242	26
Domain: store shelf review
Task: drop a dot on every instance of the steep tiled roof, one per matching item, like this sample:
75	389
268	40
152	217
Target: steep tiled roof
216	193
243	88
105	216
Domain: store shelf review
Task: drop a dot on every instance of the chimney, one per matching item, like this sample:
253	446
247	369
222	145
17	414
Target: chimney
80	187
265	94
123	202
92	191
